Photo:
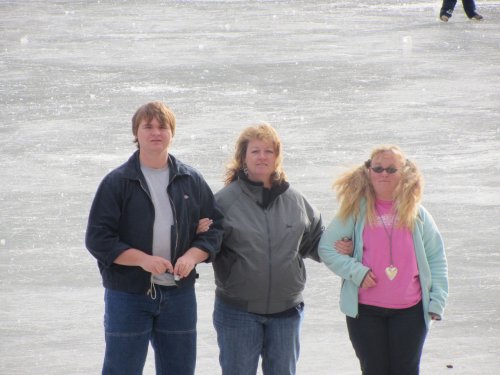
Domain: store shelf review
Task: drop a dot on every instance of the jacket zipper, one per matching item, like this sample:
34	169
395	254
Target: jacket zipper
150	200
270	261
174	253
152	290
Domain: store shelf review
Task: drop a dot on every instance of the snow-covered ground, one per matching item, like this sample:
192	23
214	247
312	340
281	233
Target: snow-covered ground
336	78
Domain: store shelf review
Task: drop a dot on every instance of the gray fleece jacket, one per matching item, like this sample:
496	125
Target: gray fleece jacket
260	267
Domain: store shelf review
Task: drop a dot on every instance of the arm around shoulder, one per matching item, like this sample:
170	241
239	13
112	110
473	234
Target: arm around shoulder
208	242
347	267
312	236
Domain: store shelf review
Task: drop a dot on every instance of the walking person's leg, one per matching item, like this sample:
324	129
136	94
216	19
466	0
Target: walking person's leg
447	10
470	9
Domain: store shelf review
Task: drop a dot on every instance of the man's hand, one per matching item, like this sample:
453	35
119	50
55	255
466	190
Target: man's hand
156	265
186	263
149	263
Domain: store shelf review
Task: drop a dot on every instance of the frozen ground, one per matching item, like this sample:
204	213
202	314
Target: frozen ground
335	77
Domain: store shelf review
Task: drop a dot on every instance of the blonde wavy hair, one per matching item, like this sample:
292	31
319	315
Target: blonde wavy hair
354	185
262	132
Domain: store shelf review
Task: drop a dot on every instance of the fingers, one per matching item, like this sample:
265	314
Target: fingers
370	280
184	266
435	316
169	268
344	247
158	265
204	225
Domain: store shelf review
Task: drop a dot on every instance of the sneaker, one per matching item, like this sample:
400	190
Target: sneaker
477	17
444	18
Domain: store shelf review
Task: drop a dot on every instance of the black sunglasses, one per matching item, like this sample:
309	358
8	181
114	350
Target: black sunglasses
390	170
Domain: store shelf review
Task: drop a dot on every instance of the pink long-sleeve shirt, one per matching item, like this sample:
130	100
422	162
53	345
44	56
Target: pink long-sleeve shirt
404	290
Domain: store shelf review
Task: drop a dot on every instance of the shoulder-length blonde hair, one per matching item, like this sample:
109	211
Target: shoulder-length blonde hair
263	132
354	186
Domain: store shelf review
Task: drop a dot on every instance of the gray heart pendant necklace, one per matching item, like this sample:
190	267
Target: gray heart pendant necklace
390	271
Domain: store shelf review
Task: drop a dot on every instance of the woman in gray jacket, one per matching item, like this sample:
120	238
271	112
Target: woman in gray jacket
260	275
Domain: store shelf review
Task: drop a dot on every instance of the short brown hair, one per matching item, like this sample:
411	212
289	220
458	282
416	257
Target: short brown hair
148	111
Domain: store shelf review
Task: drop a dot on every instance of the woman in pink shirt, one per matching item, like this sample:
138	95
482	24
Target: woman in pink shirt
395	281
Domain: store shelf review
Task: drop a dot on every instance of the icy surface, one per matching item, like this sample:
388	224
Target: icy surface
334	77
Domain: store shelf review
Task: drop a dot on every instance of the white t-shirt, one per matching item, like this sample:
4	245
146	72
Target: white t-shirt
158	180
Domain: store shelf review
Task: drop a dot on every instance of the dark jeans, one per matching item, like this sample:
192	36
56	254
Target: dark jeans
449	6
388	341
131	321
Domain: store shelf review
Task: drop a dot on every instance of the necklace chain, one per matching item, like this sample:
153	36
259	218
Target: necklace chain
389	235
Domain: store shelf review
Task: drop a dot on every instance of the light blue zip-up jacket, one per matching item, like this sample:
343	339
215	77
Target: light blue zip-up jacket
430	254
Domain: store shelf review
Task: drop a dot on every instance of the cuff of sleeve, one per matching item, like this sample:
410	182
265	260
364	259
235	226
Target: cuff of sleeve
435	309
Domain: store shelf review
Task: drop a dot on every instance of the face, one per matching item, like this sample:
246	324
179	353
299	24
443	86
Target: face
385	183
153	137
260	160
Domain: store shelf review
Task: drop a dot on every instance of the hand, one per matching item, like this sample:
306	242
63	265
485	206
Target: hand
435	316
149	263
203	225
156	265
344	246
186	263
370	280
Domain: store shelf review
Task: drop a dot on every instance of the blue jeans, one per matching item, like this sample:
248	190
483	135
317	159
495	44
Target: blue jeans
131	321
388	341
243	337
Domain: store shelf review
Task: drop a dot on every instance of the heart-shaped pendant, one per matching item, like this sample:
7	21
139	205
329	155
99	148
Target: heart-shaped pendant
391	272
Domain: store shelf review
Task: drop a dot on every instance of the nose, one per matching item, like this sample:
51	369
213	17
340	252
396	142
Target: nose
262	154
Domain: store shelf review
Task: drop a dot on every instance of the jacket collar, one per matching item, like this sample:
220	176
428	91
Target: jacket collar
133	167
256	190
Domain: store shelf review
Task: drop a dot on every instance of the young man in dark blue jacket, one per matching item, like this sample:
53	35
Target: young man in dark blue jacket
142	230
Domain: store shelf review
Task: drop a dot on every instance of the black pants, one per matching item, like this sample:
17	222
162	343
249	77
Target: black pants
449	5
388	341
